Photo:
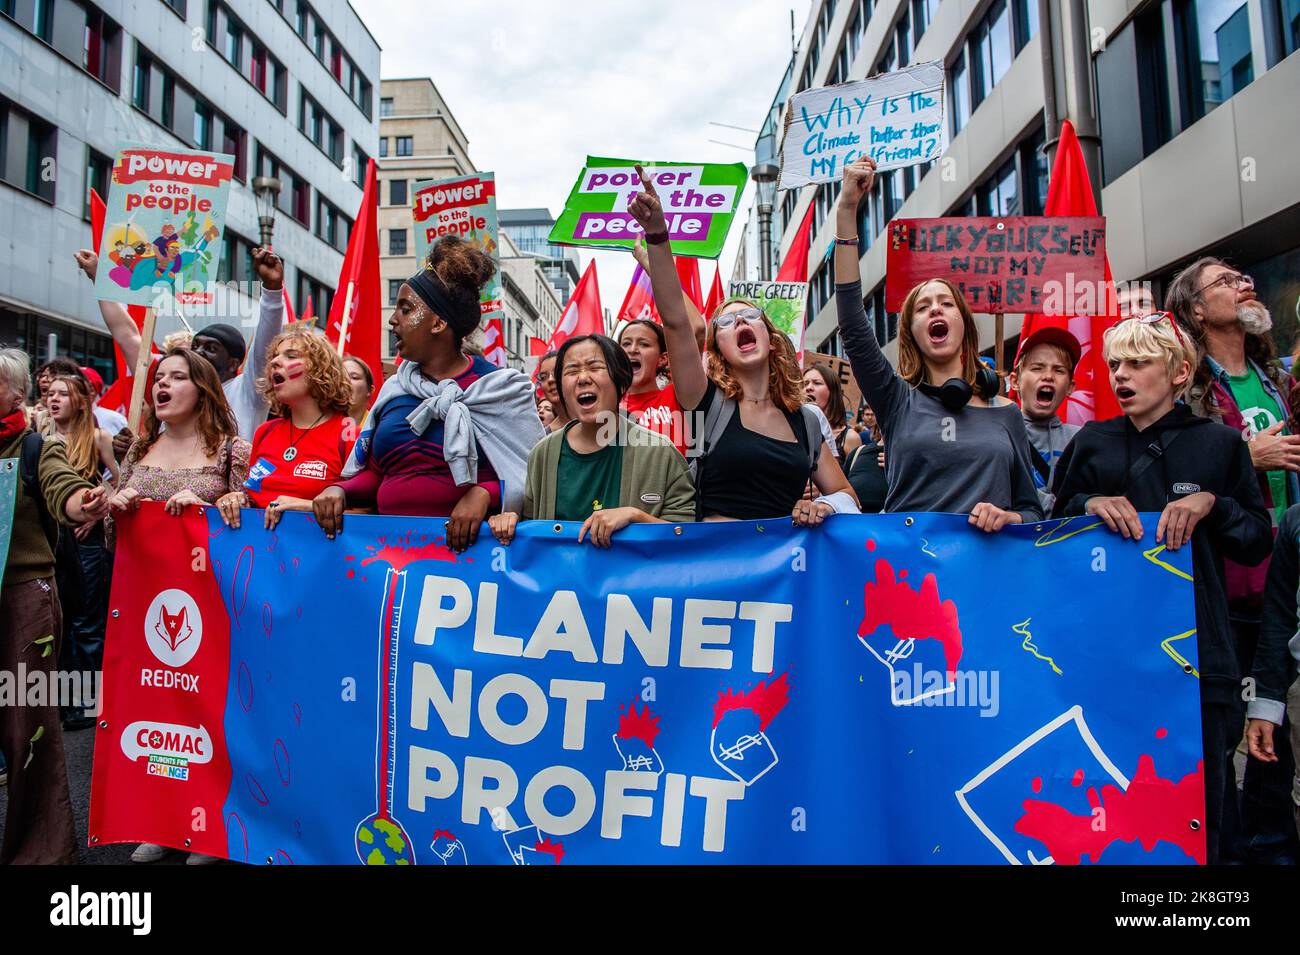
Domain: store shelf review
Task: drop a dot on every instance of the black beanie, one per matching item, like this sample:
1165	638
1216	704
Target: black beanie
229	336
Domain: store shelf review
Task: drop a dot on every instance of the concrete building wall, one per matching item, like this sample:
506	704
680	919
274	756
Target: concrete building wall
37	274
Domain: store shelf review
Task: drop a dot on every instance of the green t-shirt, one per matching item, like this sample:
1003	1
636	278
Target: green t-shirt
587	482
1260	411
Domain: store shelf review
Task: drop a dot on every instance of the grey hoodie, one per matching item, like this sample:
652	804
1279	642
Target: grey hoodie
1049	439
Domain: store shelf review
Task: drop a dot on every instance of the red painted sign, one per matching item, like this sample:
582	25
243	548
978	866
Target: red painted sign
1049	264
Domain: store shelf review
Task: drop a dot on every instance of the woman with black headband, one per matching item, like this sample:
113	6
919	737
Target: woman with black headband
449	434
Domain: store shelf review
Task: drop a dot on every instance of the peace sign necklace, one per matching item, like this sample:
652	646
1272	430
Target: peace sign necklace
291	451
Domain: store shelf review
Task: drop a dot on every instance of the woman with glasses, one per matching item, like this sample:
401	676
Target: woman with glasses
954	445
602	468
754	442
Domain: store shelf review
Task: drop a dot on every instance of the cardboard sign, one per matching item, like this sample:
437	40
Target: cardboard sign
465	206
165	213
1013	264
895	118
848	384
784	302
699	202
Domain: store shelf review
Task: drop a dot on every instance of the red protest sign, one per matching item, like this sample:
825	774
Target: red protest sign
1011	264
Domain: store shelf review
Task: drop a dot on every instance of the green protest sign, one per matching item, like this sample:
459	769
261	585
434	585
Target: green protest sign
782	301
699	201
8	493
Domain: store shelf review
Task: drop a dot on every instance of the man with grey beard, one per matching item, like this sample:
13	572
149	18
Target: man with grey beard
1240	382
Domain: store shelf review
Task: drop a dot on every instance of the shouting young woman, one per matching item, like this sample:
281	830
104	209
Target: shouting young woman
755	444
954	446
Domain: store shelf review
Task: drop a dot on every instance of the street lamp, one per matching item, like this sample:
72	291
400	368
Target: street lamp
765	174
266	192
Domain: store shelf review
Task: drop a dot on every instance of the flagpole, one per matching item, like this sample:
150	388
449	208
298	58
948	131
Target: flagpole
142	362
347	315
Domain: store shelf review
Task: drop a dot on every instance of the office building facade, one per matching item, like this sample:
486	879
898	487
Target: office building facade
286	86
1185	110
419	139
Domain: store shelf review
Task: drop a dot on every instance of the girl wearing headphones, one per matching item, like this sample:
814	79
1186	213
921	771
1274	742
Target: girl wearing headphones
954	445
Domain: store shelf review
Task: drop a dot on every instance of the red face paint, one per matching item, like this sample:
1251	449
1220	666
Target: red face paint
294	370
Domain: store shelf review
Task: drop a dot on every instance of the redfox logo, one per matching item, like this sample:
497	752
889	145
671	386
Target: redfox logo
173	628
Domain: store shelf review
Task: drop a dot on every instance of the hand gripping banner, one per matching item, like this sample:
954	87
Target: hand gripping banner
881	689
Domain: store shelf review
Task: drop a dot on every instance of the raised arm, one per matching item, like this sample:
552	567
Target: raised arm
270	309
884	390
120	324
698	321
689	380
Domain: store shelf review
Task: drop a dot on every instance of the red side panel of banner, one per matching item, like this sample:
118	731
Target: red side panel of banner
162	771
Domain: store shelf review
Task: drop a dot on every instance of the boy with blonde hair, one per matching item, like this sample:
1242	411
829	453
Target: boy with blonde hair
1196	474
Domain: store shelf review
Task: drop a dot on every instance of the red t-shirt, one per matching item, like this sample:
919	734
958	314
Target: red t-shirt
316	461
660	412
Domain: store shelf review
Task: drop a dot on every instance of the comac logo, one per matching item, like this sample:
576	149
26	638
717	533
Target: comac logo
147	738
173	628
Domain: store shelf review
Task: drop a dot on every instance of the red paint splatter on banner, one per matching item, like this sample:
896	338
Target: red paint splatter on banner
1162	733
1037	784
1078	778
1151	810
442	832
633	725
911	614
871	545
243	835
406	551
554	849
351	573
765	699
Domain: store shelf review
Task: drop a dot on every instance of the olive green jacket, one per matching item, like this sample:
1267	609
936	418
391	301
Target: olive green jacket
30	557
654	478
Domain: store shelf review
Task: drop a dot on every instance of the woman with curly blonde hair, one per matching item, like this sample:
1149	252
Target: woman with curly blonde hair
301	450
754	442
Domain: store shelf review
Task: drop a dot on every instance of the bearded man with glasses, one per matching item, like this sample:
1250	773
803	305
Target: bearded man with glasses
1240	382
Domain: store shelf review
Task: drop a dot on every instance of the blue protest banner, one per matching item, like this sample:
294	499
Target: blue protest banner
887	689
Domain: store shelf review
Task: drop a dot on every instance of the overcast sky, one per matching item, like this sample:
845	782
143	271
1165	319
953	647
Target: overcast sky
538	86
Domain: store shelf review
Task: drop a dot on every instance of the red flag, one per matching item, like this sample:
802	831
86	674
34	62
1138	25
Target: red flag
110	398
795	266
583	314
307	315
716	295
1069	193
536	347
494	343
639	302
289	318
360	277
688	273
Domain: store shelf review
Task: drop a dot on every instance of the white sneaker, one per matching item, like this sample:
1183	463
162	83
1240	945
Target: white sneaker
198	858
148	852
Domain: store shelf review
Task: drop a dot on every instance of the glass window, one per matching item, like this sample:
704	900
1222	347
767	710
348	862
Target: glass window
1289	20
1034	172
405	146
98	170
1026	22
397	192
999	196
202	126
386	106
959	91
233	50
1214	53
903	40
397	242
394	286
383	147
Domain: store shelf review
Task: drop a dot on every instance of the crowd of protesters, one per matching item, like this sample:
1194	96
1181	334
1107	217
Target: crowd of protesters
695	418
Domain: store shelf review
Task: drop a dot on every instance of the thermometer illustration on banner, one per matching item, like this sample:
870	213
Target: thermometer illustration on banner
380	838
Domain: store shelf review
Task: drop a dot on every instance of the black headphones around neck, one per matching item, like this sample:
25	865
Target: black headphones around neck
955	393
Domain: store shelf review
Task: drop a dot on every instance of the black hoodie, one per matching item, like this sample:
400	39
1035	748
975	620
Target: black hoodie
1199	455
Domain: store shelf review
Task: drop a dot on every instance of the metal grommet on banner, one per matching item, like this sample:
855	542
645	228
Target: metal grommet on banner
187	843
1001	226
1195	824
677	531
759	528
116	614
908	521
559	528
94	840
103	724
270	860
1188	668
201	512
